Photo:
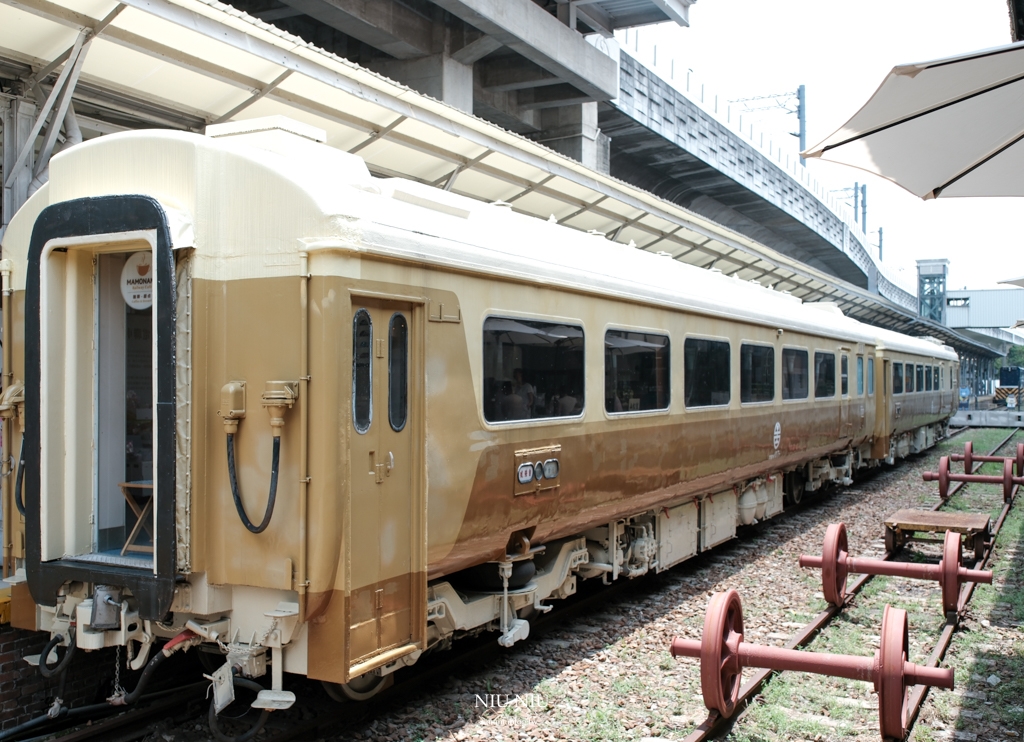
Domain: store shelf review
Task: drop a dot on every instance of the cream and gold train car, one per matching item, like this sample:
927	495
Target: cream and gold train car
322	422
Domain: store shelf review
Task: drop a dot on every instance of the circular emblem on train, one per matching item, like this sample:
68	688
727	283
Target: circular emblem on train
137	280
525	473
777	436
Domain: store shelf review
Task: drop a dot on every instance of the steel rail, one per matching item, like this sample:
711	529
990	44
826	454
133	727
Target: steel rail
716	723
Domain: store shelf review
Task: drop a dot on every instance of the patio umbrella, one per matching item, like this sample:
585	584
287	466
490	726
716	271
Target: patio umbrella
948	128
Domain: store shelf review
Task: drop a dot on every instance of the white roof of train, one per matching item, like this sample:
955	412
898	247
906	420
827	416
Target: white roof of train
321	198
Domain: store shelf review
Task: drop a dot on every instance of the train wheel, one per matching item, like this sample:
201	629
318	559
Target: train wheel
793	488
362	688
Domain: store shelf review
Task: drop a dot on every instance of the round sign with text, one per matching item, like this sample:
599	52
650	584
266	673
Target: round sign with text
137	280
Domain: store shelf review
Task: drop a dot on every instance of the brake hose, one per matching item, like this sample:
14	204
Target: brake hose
273	485
44	666
19	480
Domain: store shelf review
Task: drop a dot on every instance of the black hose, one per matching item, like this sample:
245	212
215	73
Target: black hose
212	718
154	663
19	480
51	672
275	461
95	709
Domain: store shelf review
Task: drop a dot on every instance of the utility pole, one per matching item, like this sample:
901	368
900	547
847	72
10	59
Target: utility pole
879	244
783	101
856	201
864	207
801	117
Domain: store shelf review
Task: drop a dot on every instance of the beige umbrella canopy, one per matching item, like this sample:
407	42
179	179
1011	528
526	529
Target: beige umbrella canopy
943	129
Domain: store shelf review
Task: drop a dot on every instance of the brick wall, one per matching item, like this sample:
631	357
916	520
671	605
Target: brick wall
25	694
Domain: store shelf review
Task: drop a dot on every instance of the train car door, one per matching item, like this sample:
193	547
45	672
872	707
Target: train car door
387	573
846	419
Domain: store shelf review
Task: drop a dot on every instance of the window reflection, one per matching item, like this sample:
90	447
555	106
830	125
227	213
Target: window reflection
794	374
824	374
706	372
757	373
636	371
532	369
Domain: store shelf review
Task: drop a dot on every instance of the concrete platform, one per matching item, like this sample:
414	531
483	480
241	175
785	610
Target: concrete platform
989	418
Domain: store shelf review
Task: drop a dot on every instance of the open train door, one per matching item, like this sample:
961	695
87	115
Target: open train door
387	524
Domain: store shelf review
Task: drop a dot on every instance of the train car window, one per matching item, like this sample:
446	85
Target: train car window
897	378
844	374
706	372
871	376
794	374
398	371
920	378
824	374
532	369
362	370
937	379
927	378
860	376
636	371
908	379
757	373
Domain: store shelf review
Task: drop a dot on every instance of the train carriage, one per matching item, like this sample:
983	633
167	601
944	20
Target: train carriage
260	393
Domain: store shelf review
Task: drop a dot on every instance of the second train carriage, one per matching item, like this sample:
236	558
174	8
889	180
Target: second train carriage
326	422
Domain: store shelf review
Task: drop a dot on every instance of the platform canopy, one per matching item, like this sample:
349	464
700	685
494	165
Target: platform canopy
185	64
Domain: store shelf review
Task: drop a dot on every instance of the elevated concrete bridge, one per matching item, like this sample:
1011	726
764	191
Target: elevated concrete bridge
665	143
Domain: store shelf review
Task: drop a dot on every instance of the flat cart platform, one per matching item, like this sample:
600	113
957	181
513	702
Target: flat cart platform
902	526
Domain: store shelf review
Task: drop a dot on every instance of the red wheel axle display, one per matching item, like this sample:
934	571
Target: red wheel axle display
723	654
944	476
835	564
970	458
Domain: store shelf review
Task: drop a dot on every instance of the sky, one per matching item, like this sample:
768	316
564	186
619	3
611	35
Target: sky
841	52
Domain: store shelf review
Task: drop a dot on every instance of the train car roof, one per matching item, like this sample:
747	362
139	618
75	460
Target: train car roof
250	197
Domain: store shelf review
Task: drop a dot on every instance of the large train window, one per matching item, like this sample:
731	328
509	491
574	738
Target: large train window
860	376
920	378
824	374
636	371
844	375
871	376
897	378
398	371
757	373
927	378
936	372
706	372
908	384
532	369
794	374
362	370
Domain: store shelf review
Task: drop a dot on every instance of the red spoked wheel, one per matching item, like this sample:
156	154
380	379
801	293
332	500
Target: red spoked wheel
1007	479
833	564
949	578
1020	459
720	669
944	477
969	457
892	655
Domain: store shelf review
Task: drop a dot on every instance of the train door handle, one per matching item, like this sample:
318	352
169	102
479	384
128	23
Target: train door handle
377	470
390	465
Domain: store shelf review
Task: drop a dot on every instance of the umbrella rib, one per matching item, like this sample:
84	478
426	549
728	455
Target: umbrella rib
925	112
975	166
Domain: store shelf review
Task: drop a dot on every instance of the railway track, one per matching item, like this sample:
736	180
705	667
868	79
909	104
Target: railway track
715	724
476	666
